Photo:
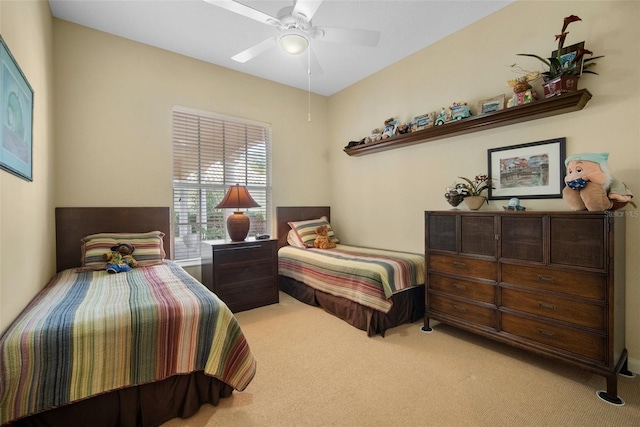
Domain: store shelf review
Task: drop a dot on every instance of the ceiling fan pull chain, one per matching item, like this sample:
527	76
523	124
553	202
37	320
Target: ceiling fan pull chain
309	82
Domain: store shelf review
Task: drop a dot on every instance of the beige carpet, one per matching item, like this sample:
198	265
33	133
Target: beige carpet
315	370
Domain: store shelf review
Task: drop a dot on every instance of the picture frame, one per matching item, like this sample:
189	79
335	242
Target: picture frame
16	116
424	121
533	170
568	54
492	104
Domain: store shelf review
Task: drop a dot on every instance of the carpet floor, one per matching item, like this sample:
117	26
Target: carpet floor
316	370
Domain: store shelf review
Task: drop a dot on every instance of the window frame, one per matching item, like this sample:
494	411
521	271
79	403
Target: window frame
203	187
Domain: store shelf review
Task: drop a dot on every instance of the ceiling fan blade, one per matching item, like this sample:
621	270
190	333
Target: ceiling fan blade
346	35
311	62
307	7
255	50
243	10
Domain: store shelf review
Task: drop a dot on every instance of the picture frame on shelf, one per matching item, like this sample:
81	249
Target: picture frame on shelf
533	170
568	55
492	104
424	121
16	105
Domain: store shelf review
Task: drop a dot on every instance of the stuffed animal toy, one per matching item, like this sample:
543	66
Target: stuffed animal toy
590	185
322	238
120	258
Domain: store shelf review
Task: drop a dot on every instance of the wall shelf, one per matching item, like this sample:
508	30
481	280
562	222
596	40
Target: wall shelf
567	103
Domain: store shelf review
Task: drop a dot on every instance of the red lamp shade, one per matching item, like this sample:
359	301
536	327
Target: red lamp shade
238	223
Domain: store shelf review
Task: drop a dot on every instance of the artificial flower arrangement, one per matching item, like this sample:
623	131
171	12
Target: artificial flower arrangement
474	187
555	66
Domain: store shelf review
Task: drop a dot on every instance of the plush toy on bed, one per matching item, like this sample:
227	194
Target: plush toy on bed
120	258
322	238
590	185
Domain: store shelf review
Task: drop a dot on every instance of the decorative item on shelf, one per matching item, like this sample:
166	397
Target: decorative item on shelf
390	127
424	121
238	223
590	185
566	64
523	93
492	104
514	205
454	196
458	111
472	190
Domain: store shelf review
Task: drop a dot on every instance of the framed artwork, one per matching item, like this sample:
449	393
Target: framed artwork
492	104
534	170
568	56
16	115
424	121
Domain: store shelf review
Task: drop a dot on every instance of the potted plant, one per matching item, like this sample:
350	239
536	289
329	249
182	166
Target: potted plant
564	68
472	190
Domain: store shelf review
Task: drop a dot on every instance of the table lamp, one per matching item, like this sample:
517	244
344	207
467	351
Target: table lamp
238	223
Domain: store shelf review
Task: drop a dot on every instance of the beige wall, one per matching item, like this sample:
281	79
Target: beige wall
113	120
27	236
379	199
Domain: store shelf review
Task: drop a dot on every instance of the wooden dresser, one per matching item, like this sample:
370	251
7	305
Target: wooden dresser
242	274
548	282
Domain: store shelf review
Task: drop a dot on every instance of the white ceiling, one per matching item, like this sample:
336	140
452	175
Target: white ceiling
197	29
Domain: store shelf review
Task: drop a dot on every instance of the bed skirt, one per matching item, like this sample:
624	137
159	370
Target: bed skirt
145	405
408	306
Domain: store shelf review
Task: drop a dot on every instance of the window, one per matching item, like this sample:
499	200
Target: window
210	154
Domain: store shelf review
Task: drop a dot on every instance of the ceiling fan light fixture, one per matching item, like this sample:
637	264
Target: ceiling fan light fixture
293	42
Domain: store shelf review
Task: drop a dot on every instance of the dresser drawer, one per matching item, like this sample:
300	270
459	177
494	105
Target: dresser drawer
575	312
478	268
590	345
581	284
245	253
462	310
461	287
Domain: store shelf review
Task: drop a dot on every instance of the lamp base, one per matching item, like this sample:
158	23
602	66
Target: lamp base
238	226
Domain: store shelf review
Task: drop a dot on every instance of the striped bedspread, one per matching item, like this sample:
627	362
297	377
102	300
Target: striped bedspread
92	332
363	275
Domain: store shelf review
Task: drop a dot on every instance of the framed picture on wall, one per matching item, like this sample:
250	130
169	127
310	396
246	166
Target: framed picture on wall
534	170
16	114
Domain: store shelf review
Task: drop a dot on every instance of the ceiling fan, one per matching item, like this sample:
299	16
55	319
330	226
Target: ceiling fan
295	30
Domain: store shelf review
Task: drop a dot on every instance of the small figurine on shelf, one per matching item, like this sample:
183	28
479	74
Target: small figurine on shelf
523	93
514	205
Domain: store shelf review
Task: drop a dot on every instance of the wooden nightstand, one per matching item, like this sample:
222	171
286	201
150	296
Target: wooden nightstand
242	274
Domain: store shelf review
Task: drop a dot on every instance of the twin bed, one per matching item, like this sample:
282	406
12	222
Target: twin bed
127	349
371	289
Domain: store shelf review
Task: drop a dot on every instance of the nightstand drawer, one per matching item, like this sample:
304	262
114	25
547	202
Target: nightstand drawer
461	287
478	268
244	271
250	252
566	310
584	343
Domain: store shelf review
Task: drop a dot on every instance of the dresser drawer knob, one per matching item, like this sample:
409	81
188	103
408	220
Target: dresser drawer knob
547	279
458	264
459	286
546	306
459	308
546	334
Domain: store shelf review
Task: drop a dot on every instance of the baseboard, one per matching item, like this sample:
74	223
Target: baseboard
633	365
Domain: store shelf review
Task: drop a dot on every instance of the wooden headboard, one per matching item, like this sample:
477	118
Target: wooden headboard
296	213
72	224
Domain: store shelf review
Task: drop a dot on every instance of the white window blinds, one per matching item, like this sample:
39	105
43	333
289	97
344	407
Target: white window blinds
211	153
